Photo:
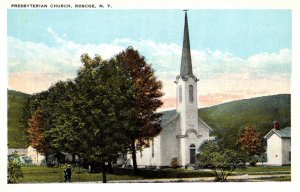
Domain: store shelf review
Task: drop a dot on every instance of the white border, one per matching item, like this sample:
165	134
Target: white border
160	4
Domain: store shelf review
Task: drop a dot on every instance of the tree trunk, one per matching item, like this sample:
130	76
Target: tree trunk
103	173
73	158
133	150
109	167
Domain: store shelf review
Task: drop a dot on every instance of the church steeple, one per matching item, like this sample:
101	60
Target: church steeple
186	61
187	101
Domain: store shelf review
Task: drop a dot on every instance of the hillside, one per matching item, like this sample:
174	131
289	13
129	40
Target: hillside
229	118
16	129
226	119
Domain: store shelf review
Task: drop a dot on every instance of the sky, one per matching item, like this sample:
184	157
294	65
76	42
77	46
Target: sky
236	54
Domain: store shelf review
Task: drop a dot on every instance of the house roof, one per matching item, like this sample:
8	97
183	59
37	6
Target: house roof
169	116
203	123
283	133
19	151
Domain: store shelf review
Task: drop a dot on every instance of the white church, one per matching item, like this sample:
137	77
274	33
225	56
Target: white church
182	129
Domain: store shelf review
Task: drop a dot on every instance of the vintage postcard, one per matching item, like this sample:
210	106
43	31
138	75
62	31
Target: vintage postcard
118	93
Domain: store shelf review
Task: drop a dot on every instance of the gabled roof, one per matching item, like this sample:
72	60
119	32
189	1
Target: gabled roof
207	126
283	133
169	116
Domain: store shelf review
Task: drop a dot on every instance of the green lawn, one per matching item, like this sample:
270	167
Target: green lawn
287	178
264	170
43	174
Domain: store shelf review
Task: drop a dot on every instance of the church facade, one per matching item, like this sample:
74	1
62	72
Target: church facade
182	129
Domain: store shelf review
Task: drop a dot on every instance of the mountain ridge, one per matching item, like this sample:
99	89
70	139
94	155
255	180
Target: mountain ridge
226	118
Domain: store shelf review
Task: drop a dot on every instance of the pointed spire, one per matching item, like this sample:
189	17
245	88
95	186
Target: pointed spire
186	61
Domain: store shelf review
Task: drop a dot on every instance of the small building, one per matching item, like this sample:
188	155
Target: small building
28	156
19	151
279	145
36	157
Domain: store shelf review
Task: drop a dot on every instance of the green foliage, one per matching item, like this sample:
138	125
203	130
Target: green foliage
17	128
228	119
221	160
89	115
14	171
101	109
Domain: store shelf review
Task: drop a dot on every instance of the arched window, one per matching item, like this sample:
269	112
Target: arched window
180	94
192	154
191	93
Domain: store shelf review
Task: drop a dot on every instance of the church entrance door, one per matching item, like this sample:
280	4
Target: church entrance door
192	154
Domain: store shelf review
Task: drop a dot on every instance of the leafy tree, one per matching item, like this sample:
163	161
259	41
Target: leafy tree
46	108
14	171
221	160
36	135
97	111
144	122
109	107
226	137
62	121
251	142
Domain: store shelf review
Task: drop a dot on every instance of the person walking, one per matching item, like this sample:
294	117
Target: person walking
68	173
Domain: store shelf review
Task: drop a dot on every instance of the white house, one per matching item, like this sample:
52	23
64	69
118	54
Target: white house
182	129
36	157
31	153
279	146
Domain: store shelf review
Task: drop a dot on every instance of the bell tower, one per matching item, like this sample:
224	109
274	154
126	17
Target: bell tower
187	102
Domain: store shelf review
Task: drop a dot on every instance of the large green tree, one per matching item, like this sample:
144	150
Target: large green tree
95	127
108	108
144	123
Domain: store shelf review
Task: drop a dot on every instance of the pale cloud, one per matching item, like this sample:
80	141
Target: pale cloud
272	62
55	36
33	67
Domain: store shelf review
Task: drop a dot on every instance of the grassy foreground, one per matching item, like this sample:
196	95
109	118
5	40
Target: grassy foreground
264	169
42	174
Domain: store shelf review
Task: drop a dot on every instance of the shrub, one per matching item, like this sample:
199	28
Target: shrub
220	160
14	171
174	163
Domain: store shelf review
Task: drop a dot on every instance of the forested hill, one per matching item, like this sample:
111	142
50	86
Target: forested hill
16	129
229	118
